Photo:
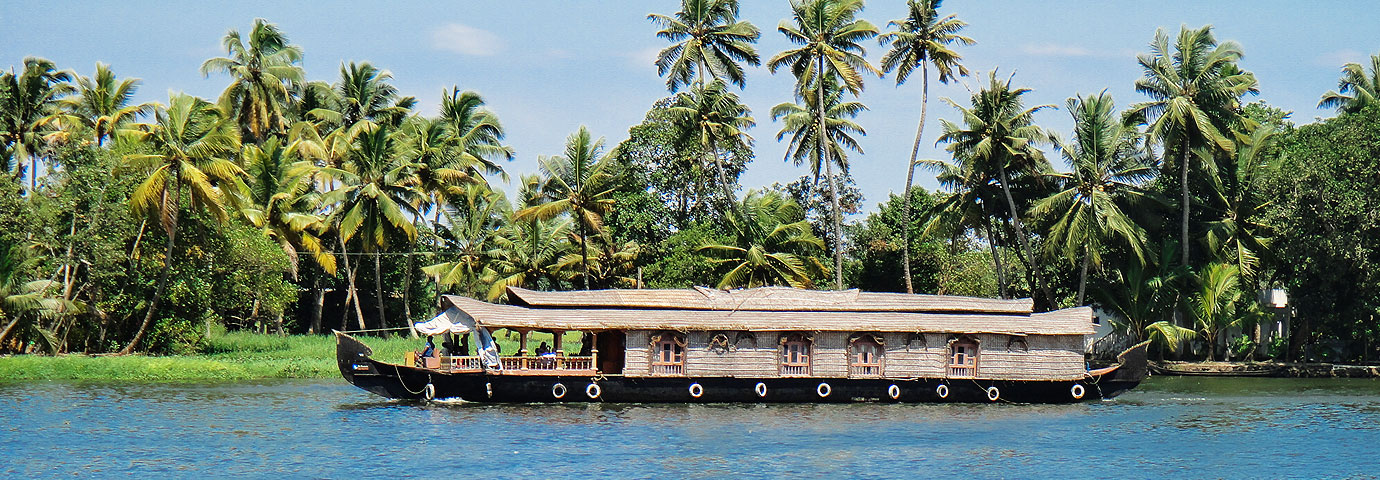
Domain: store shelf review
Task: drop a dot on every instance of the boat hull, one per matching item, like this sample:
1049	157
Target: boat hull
411	383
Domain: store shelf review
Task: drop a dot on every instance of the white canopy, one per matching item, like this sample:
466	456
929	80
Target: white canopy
452	320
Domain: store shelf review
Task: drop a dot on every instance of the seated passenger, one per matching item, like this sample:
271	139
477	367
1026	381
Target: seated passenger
543	350
430	348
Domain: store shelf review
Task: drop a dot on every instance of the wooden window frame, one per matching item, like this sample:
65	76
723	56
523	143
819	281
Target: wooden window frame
798	368
857	368
674	367
968	367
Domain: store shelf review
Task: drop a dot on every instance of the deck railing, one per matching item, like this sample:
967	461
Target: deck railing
798	370
668	369
865	370
546	364
961	372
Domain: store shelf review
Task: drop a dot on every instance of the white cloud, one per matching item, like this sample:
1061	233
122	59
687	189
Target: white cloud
1054	50
1338	58
466	40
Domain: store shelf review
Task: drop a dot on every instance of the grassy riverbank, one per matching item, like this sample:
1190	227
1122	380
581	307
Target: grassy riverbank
228	356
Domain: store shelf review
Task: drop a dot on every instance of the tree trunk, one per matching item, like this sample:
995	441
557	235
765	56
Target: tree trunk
996	258
584	252
1183	182
1083	279
829	172
1031	275
167	268
318	302
378	290
910	174
352	293
407	279
723	181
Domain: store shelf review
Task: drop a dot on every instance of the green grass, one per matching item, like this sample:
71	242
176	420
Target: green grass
227	356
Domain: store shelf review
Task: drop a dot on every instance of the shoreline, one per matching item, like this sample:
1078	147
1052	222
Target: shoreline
1265	369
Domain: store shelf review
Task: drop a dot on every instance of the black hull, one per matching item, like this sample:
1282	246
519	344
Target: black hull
411	383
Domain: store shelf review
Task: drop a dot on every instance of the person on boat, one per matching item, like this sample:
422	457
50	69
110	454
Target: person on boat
430	348
543	350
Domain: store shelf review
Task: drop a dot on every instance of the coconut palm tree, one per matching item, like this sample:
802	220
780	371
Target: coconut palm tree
711	118
612	265
282	202
261	72
476	134
1356	90
998	134
829	36
528	248
103	104
1214	304
375	201
474	222
29	109
191	143
21	301
1242	234
771	245
364	94
968	207
921	39
580	183
1107	168
707	37
1144	293
1195	92
800	122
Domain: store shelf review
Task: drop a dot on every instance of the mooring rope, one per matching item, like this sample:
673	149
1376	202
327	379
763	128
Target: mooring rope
402	382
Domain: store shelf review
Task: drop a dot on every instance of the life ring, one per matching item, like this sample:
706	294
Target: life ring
992	393
761	389
823	390
942	390
558	390
593	391
893	391
696	390
1078	391
429	392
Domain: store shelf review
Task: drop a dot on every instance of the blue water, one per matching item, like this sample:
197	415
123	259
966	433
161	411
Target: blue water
1169	427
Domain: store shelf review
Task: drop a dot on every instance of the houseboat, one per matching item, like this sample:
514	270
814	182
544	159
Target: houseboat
756	345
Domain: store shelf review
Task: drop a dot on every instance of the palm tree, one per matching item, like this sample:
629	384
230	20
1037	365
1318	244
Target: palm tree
476	136
191	142
365	95
22	300
1195	92
580	183
968	206
528	248
800	122
708	37
771	244
1107	167
612	265
375	201
921	39
260	72
999	135
1242	234
1144	291
710	117
281	201
29	107
474	222
1214	304
829	35
102	103
1356	90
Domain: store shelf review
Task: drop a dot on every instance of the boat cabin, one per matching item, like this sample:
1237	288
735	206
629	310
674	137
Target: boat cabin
773	332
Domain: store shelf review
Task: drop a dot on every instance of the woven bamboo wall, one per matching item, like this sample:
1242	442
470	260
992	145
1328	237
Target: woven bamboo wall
1042	357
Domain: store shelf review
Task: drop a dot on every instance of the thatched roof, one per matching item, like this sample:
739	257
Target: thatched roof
776	299
775	309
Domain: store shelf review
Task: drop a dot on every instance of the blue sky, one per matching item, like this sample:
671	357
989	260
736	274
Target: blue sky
547	67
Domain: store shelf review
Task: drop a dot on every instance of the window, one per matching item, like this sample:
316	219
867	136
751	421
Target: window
963	358
668	354
795	355
865	357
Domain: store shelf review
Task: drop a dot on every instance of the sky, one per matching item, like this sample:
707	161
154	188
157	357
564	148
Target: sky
547	67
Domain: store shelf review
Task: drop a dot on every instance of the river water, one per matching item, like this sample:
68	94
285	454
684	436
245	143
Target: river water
1168	427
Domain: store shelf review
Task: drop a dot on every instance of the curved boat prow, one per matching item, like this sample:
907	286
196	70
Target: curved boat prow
352	356
1133	365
